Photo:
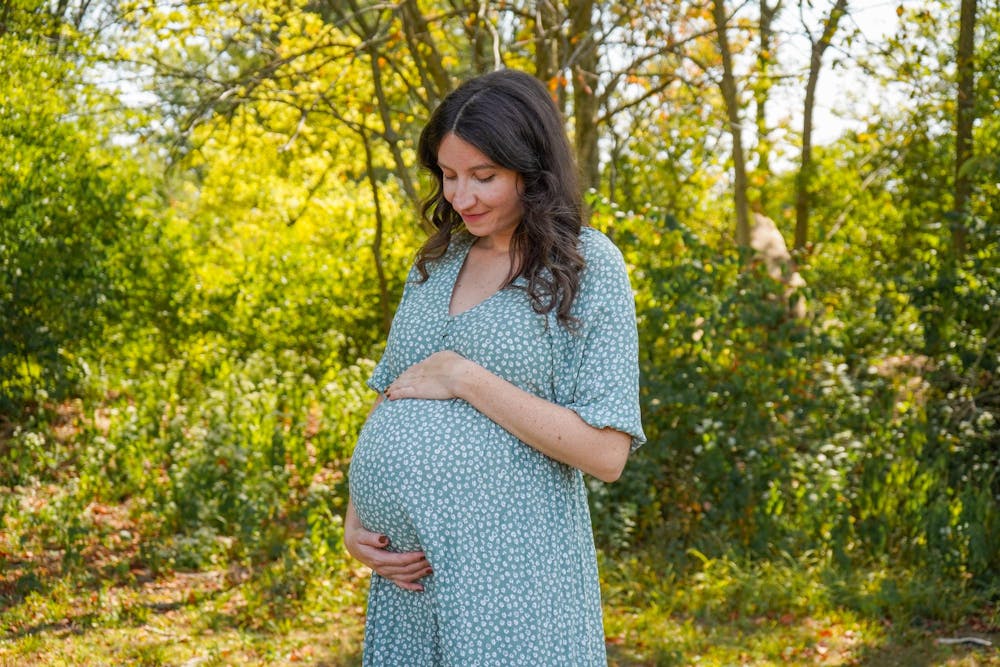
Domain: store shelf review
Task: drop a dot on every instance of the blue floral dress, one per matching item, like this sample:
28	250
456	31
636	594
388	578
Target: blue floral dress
506	529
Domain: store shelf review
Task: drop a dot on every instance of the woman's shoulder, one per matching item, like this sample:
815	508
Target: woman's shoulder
600	254
604	281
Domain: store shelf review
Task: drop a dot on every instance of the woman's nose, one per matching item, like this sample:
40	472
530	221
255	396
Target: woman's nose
462	198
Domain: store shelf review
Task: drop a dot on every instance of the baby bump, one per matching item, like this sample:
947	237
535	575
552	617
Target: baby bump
420	465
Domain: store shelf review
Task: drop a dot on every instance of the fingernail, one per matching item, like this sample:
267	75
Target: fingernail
428	571
383	540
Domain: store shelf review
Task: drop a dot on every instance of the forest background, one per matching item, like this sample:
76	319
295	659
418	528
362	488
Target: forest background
208	209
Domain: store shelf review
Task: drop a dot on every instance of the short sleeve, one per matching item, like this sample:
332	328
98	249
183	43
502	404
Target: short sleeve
384	373
597	370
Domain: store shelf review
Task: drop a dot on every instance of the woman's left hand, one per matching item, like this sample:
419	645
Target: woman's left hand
434	378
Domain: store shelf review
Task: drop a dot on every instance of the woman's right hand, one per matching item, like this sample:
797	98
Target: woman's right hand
404	569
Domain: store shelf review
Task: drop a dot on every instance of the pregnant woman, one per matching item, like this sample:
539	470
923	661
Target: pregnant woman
510	369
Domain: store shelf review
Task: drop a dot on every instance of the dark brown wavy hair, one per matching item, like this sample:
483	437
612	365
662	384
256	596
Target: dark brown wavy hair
510	117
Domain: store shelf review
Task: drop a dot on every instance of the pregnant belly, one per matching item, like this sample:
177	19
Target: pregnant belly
420	465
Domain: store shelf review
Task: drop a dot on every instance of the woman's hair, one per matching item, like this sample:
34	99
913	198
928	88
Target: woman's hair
510	118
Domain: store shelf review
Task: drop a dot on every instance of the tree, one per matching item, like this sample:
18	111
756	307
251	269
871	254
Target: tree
965	117
733	107
762	89
68	210
803	183
599	59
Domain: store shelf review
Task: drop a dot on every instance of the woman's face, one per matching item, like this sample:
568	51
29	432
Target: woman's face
482	192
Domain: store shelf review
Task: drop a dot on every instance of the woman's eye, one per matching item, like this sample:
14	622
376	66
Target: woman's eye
449	177
485	179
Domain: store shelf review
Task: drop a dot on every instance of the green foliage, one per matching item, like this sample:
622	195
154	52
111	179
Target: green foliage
185	350
773	435
954	297
67	208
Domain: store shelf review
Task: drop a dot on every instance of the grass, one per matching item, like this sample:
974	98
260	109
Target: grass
782	612
87	583
230	617
711	612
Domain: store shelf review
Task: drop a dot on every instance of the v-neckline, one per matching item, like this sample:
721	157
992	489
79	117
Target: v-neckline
460	263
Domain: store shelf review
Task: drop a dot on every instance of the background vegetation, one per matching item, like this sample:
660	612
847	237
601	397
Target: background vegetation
206	213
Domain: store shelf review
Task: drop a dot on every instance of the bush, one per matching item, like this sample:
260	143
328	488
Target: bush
770	435
67	209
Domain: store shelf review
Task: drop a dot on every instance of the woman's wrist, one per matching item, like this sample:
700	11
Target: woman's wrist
464	377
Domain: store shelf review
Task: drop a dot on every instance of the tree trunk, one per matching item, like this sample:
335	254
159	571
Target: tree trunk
803	180
425	53
551	49
546	22
385	308
761	93
392	138
963	122
583	66
731	101
389	134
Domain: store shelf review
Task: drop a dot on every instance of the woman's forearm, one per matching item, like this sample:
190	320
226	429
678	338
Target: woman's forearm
554	430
